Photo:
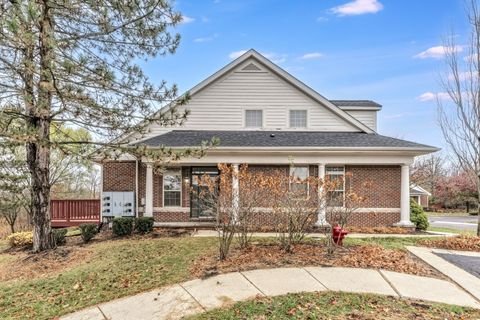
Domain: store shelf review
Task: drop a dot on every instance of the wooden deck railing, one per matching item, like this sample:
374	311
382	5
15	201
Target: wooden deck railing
73	212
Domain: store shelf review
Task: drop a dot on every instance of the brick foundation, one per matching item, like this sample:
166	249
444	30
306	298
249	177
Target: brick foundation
383	193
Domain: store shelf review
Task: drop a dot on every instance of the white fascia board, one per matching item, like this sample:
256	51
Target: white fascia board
360	108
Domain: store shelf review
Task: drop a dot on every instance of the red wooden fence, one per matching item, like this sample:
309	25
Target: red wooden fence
73	212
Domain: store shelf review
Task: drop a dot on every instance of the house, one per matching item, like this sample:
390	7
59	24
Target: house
268	119
420	195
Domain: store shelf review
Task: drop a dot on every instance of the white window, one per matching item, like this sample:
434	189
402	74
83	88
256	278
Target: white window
298	180
172	188
253	118
336	197
298	118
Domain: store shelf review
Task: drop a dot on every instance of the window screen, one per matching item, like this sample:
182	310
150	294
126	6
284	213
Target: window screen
253	118
298	118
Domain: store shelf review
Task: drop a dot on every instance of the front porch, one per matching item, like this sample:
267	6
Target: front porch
172	197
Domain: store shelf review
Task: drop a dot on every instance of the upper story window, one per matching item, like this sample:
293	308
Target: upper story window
172	188
298	118
253	118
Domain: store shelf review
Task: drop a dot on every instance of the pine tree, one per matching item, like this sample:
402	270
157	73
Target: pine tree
75	63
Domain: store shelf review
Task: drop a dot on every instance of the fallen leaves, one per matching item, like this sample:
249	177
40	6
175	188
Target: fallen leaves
262	256
380	230
460	243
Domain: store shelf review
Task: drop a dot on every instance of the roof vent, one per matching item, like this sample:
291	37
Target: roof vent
272	135
251	67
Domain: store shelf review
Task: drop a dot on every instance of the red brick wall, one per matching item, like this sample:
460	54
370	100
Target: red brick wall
119	176
384	185
384	190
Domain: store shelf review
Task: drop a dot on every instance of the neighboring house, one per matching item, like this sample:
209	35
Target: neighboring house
420	195
268	119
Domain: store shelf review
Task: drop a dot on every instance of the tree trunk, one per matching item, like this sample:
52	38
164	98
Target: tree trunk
478	207
38	150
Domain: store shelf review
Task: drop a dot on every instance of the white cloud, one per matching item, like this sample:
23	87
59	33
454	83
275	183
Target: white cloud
322	19
461	75
357	7
437	52
275	57
236	54
187	19
311	55
430	96
206	39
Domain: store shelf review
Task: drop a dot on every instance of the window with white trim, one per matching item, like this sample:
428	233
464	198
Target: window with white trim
298	118
172	188
298	180
253	118
336	197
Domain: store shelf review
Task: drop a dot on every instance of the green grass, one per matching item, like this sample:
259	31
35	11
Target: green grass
449	230
336	305
73	231
387	242
118	268
447	214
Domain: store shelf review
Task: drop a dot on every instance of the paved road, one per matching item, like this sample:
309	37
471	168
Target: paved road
454	222
467	263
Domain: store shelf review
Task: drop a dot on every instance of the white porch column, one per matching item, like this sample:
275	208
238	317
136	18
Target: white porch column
405	198
149	191
321	219
235	191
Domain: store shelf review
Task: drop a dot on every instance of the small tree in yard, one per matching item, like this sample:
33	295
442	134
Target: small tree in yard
340	205
216	195
459	117
73	64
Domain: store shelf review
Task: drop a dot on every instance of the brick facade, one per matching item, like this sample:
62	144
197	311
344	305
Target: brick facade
383	191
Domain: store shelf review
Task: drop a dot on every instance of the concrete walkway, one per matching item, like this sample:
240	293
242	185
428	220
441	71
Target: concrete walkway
213	233
464	279
198	295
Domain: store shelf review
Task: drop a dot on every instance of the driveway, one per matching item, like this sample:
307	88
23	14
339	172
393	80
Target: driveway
454	222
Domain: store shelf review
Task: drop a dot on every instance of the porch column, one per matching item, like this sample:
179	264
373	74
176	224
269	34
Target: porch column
321	218
405	198
149	191
235	191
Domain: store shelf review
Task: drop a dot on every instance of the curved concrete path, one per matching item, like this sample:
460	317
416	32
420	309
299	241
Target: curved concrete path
198	295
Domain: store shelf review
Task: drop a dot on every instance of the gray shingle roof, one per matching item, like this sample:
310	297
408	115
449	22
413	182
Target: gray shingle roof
356	103
191	138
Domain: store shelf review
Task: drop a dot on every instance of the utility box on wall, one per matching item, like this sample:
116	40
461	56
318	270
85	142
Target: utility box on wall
118	204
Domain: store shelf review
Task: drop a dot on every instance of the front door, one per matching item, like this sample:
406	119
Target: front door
197	207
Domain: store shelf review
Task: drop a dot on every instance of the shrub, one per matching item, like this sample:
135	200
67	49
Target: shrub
418	216
144	224
59	236
20	239
122	226
88	231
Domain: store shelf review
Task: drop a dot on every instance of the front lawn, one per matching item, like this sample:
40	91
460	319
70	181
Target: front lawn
77	276
114	269
337	305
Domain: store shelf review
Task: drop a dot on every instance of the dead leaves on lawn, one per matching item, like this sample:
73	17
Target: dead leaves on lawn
29	266
263	256
460	243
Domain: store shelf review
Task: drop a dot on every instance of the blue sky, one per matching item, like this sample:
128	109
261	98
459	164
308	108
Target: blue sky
384	50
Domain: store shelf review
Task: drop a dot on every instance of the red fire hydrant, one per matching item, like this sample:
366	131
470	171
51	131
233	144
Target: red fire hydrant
338	234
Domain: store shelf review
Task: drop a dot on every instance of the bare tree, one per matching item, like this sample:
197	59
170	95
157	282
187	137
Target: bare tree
459	116
428	171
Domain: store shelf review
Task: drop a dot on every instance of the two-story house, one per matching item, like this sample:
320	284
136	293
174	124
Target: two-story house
267	118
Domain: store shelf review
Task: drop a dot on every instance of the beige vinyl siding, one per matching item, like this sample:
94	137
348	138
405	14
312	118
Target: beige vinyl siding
367	117
222	105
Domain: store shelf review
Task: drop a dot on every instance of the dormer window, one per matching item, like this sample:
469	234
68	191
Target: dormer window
253	118
298	118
